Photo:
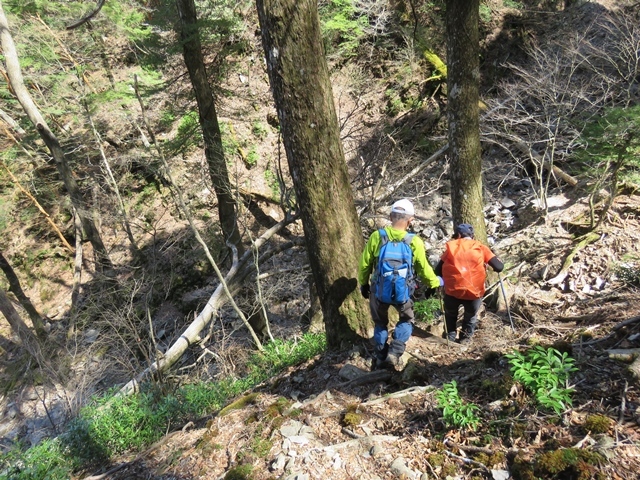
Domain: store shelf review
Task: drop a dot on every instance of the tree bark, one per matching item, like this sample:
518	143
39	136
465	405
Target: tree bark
463	78
194	60
17	83
16	289
302	91
17	324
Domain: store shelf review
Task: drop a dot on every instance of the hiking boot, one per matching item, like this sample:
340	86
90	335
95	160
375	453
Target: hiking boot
464	341
392	361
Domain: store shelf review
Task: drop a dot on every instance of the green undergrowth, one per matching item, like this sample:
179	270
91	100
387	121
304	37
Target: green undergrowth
112	425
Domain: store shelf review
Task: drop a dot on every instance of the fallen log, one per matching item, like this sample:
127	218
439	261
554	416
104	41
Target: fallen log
239	271
624	354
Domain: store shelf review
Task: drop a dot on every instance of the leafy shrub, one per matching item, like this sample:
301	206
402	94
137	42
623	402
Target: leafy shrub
426	310
544	373
454	410
48	459
342	26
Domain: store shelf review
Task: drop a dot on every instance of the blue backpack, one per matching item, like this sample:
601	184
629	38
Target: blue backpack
392	280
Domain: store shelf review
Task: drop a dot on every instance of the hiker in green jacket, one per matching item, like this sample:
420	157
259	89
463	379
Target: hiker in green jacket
396	286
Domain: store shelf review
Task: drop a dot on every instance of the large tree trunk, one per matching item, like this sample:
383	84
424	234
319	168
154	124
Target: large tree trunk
192	52
17	83
16	289
302	90
463	78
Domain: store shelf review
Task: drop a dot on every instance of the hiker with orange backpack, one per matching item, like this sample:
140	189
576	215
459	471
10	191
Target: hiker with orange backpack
390	259
463	269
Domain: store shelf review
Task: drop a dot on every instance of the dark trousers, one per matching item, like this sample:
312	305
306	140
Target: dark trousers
401	333
469	320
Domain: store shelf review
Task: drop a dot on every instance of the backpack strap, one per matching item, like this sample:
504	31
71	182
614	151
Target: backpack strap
408	238
384	238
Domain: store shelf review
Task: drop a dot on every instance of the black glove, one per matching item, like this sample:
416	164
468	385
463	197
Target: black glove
365	290
430	292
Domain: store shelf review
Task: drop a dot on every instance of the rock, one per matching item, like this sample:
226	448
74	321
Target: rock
376	450
500	474
351	372
506	202
91	335
297	476
399	468
291	428
278	463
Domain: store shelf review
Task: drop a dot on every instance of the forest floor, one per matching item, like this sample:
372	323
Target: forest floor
333	417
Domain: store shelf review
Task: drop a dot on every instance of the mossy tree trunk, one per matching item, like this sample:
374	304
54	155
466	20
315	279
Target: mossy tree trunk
463	79
64	170
214	153
303	96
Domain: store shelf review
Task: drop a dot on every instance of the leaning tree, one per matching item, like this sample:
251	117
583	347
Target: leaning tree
303	96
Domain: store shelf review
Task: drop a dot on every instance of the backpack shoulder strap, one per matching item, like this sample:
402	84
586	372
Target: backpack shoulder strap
384	238
408	238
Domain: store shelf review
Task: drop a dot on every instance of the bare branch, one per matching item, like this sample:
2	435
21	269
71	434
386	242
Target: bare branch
85	19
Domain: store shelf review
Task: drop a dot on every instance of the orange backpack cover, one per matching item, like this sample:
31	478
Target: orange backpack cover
463	268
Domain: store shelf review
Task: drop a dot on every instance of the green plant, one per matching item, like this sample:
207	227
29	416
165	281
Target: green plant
425	310
513	4
259	129
47	460
455	411
545	373
252	157
485	13
342	26
274	184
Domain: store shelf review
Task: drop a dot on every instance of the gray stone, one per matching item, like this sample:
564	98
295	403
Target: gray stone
278	463
399	468
506	202
351	372
297	476
376	450
500	474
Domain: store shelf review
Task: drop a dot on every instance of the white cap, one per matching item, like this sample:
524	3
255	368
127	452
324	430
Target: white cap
403	206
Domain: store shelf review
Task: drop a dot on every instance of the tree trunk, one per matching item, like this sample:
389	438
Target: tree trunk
16	289
463	78
17	83
17	324
299	78
192	53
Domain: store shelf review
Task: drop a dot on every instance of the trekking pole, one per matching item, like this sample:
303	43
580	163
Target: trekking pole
444	319
506	302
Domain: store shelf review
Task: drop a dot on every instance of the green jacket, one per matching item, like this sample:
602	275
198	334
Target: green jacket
421	266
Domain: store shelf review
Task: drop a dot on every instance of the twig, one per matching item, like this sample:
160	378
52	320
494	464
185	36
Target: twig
370	438
85	19
623	403
400	393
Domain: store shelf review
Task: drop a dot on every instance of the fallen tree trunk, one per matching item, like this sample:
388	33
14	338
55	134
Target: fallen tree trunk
234	279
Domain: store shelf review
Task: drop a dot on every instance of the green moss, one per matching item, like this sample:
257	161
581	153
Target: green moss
241	472
351	419
597	424
449	470
522	469
570	462
238	404
435	459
